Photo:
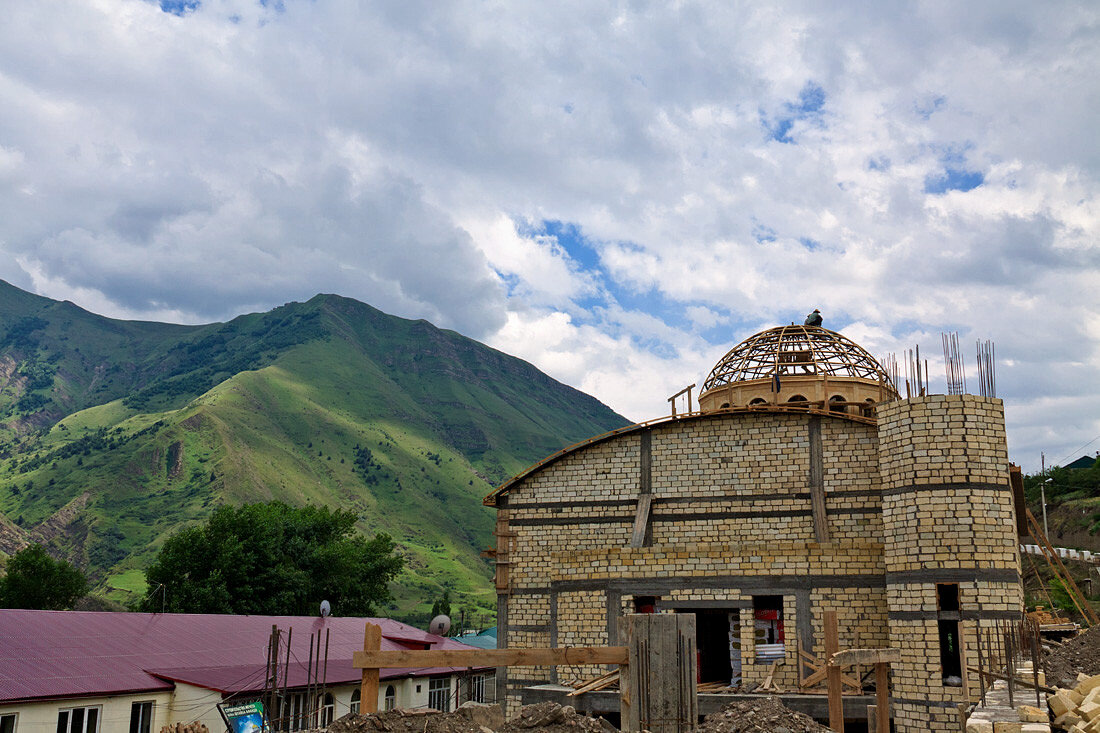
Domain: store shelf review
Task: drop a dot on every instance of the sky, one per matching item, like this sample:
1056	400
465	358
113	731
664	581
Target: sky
617	192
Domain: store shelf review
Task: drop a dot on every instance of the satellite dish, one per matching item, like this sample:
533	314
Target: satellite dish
440	625
326	609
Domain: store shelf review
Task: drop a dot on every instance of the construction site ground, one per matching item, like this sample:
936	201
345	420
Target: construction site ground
762	715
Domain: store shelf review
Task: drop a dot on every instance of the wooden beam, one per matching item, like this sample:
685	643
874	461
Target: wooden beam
832	677
641	520
368	690
882	698
400	658
1015	680
848	657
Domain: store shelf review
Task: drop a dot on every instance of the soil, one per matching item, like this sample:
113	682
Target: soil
404	721
546	717
1079	654
765	715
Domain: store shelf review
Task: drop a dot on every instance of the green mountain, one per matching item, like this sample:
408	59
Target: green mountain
115	433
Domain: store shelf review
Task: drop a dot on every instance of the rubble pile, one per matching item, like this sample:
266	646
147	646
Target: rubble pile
545	717
765	715
1077	709
1079	655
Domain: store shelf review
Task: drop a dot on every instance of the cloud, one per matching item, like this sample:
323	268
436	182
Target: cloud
618	193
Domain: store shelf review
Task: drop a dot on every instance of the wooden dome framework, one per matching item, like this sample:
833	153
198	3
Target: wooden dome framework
796	351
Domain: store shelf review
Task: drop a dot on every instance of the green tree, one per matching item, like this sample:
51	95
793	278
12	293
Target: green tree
36	580
272	559
442	605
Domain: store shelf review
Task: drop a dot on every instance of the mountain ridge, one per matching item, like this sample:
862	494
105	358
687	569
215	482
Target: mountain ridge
330	401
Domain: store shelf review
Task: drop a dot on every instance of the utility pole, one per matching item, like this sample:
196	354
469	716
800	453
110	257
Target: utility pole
1043	493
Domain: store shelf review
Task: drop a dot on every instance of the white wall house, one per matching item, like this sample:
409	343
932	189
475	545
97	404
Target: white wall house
84	672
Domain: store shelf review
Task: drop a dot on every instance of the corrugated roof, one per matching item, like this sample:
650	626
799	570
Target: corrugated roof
47	654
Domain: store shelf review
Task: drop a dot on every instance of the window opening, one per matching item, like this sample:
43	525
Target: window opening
439	694
767	613
758	401
797	398
141	717
390	701
947	603
356	695
836	404
78	720
7	723
645	604
327	703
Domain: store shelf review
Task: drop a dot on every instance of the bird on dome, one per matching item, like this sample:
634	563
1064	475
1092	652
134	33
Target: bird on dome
814	319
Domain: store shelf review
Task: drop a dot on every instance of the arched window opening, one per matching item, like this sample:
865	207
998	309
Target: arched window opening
391	698
355	696
836	403
758	401
724	405
797	398
327	703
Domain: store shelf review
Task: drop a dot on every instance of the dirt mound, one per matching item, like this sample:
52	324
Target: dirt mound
1079	654
546	717
554	718
764	715
404	721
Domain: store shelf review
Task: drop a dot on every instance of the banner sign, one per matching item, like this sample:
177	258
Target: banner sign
244	717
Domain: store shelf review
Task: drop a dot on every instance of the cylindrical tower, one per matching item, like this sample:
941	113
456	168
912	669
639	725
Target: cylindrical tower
951	550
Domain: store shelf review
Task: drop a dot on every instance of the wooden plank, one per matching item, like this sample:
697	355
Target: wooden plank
598	683
368	689
882	698
817	482
1016	680
641	520
835	686
849	657
399	658
659	684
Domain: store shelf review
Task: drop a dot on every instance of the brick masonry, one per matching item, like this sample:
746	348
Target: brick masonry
917	499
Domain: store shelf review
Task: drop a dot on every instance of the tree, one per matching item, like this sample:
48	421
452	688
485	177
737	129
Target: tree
36	580
272	559
442	605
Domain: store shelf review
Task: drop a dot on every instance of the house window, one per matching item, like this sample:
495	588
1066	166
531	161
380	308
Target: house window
356	694
439	694
836	403
297	713
7	723
477	688
391	698
797	398
78	720
141	717
767	613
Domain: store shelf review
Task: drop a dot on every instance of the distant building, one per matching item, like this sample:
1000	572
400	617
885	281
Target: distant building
1083	462
87	672
805	483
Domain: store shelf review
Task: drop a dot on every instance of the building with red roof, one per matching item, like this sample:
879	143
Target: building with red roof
92	672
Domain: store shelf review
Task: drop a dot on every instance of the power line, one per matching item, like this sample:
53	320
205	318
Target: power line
1086	445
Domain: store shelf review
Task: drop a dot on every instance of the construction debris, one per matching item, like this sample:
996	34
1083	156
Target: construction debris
1078	709
193	727
1079	655
545	717
764	715
554	718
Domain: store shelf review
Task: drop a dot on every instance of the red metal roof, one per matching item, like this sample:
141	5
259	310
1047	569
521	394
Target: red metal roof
48	654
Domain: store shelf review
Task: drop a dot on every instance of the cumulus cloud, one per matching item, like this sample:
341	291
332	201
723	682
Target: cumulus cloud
713	169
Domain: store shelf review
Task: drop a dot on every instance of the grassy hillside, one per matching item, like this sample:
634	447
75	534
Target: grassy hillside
116	433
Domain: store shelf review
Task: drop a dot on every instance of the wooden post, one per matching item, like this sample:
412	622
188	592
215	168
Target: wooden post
832	675
659	686
872	719
882	697
368	691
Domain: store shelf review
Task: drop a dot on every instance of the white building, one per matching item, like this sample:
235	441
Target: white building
85	672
